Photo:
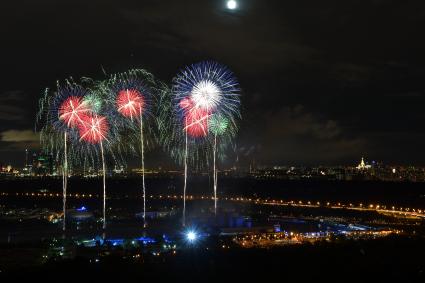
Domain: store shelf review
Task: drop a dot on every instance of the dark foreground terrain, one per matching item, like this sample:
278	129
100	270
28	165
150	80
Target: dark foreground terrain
393	259
398	258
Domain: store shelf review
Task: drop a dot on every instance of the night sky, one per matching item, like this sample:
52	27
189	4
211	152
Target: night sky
324	82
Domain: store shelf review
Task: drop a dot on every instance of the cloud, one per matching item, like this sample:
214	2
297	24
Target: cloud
11	109
13	141
11	113
216	34
295	135
296	122
19	136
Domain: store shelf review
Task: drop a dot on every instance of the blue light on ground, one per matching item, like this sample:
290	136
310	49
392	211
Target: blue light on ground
116	242
191	236
146	240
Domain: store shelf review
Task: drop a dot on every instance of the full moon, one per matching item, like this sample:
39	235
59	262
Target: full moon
231	4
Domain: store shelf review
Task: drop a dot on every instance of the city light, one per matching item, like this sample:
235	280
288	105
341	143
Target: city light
191	236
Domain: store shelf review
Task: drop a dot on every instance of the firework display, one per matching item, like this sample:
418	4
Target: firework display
94	130
73	110
62	112
94	101
130	103
129	96
92	122
206	108
73	132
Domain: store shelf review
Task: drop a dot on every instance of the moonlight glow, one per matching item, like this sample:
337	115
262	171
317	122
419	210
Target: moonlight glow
232	4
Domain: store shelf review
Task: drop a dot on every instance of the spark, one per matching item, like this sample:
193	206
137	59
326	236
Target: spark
218	124
73	111
94	102
94	129
206	95
130	103
196	120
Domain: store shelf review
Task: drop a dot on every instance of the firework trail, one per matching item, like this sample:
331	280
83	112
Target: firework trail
215	174
64	119
71	112
201	92
65	178
94	130
185	180
130	97
60	113
223	132
104	184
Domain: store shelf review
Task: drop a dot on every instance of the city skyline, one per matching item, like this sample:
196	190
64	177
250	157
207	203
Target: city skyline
42	165
170	165
134	164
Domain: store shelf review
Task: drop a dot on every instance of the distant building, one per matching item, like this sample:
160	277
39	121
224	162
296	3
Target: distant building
363	165
42	165
119	170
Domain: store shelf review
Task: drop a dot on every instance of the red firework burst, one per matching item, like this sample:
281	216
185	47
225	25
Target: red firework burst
186	104
195	119
94	129
73	111
130	103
